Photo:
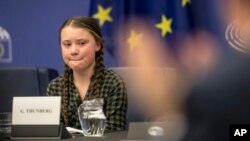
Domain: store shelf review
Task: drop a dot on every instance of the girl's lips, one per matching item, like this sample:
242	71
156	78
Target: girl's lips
76	59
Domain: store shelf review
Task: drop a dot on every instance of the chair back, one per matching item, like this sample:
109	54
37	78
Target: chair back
23	82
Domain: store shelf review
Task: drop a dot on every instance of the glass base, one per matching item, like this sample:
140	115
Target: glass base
93	135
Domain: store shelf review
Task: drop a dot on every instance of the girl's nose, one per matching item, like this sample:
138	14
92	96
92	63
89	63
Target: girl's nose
74	50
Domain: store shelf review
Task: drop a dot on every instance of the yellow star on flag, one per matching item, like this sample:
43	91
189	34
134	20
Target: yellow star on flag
165	25
185	2
134	40
103	15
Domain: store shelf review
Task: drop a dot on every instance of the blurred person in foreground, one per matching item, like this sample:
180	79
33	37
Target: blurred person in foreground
162	93
222	97
219	100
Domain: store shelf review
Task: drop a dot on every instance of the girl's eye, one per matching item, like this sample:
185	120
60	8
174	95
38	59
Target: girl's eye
66	44
82	43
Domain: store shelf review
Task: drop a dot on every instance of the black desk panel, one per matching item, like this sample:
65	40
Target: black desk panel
112	136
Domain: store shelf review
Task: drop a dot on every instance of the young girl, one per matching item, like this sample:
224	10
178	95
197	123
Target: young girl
85	77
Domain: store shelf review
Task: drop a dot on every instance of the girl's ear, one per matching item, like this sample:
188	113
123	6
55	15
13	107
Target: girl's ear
98	47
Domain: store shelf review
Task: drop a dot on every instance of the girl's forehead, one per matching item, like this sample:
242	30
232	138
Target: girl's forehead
70	31
75	29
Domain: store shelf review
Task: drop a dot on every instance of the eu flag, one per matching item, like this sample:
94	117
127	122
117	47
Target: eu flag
171	19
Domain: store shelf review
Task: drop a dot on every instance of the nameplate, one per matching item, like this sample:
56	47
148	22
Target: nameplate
36	110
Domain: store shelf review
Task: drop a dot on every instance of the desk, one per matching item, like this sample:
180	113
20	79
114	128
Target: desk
112	136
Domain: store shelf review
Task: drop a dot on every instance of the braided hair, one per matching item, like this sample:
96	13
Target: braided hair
92	26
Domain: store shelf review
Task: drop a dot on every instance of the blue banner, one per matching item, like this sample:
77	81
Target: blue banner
171	19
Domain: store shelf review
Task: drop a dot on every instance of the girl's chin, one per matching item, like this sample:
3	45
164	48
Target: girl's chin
79	67
76	67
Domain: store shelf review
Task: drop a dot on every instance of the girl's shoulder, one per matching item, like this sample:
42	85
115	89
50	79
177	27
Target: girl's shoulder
110	75
57	81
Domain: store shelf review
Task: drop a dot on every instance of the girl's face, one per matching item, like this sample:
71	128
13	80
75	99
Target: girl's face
78	48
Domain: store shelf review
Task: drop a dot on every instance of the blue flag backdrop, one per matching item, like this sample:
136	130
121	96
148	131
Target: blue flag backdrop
29	30
171	19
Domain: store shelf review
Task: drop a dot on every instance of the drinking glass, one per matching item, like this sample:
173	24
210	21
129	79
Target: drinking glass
92	118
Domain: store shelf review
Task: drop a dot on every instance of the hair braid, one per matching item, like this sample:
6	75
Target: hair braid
98	76
65	95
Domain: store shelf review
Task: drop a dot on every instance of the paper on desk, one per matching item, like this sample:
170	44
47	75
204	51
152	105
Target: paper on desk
73	130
